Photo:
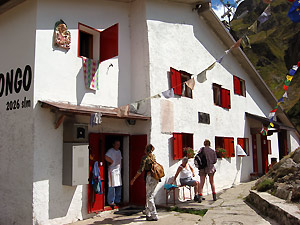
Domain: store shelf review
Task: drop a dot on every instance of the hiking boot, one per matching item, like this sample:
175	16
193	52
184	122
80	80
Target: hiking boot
196	198
200	199
215	197
150	218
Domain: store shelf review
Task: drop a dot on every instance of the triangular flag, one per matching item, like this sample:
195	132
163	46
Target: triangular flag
275	109
134	107
289	78
272	124
253	27
280	100
294	13
156	96
262	129
123	111
211	66
265	15
285	95
190	83
220	59
292	72
285	87
201	77
271	114
168	93
237	44
272	119
287	82
246	42
227	51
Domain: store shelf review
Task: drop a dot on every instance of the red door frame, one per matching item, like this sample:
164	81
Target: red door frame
96	203
137	192
264	153
254	150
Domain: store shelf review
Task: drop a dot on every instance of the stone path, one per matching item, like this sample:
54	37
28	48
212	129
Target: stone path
229	209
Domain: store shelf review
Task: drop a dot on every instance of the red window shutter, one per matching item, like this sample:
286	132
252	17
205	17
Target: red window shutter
177	146
109	43
176	81
237	85
229	146
225	98
241	142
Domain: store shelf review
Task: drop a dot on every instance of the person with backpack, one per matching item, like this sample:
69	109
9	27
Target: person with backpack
146	164
206	167
186	177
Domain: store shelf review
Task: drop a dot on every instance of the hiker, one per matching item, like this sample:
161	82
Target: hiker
186	177
114	157
151	182
211	158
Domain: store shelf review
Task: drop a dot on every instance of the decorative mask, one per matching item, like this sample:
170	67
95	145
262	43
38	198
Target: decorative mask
62	37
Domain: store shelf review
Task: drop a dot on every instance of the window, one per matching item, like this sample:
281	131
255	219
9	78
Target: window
86	44
244	143
178	78
239	86
221	96
226	143
180	141
98	45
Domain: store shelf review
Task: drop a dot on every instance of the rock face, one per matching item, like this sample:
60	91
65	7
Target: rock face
283	179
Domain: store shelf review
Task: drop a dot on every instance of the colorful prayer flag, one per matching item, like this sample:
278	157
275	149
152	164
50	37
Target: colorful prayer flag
287	82
271	114
275	109
253	27
285	95
237	44
285	87
169	93
281	99
294	12
265	15
201	77
272	124
211	66
289	78
91	71
190	83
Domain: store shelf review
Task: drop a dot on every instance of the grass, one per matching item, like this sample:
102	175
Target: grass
199	212
267	184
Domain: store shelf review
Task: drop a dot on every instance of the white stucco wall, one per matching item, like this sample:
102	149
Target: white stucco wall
16	149
179	38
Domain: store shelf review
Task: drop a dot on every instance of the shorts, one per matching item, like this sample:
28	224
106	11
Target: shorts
202	172
187	181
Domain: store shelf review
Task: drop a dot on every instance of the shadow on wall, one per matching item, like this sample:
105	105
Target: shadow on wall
170	146
81	90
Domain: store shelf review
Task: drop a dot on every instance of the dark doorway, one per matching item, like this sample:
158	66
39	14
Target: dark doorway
282	143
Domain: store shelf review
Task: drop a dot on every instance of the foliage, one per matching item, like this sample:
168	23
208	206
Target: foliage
221	153
200	212
265	185
188	152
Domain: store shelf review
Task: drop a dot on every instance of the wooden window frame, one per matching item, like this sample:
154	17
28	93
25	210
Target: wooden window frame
180	141
178	77
239	86
221	96
244	143
226	143
108	41
90	47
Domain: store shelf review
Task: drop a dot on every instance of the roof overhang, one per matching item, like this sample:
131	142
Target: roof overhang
8	4
265	121
69	109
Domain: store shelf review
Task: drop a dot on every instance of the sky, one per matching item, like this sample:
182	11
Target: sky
218	6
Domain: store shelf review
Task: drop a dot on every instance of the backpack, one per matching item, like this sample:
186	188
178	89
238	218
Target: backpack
157	170
200	160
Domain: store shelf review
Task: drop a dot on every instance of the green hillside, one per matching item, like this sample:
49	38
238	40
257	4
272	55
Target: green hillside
274	48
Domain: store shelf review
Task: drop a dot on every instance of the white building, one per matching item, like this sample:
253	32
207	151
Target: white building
44	100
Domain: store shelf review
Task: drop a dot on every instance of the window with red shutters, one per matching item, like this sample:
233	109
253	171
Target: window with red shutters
221	96
98	45
226	143
180	141
244	143
217	94
239	86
